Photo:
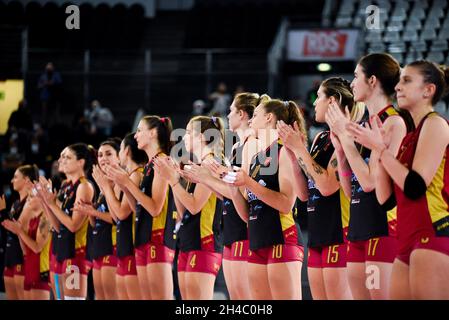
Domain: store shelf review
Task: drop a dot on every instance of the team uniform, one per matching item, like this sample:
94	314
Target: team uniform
199	236
103	238
372	230
235	231
423	223
36	265
72	246
55	266
154	240
273	235
13	251
328	216
126	260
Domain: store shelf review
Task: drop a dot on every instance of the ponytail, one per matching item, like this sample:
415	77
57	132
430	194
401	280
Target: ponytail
31	171
164	128
86	152
137	155
287	111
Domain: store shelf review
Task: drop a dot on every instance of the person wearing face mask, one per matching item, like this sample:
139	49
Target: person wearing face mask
49	85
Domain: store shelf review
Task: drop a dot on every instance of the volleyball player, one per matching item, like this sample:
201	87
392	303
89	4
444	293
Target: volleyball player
200	256
72	226
418	174
154	243
235	231
103	231
13	274
34	233
372	225
328	207
275	258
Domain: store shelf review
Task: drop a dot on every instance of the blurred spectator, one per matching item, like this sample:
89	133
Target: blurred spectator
442	109
239	89
56	177
21	118
37	151
220	100
312	94
198	107
49	86
100	118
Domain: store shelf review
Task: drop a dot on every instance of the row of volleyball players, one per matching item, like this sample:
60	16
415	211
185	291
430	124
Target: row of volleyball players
122	225
375	185
83	222
391	240
351	168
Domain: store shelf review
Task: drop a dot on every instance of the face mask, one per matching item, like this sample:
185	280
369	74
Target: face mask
35	148
7	191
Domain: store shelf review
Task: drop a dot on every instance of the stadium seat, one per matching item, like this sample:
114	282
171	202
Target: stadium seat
419	46
374	36
439	45
435	56
395	26
398	56
392	36
376	47
413	24
428	34
410	35
397	47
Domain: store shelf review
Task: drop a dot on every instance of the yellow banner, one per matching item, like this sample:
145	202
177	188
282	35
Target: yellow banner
11	92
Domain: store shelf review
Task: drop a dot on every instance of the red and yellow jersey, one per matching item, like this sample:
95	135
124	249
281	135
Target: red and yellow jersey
266	225
344	205
429	213
201	231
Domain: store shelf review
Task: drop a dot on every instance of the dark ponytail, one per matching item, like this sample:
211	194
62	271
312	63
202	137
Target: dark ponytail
435	74
137	155
445	70
164	128
113	143
86	152
31	171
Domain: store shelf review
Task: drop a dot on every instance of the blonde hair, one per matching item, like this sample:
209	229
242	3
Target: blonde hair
248	101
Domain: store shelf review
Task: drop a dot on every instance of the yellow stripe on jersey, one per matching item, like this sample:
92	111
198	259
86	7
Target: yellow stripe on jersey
391	214
207	216
114	235
438	208
286	220
391	111
134	226
80	236
44	257
159	221
344	207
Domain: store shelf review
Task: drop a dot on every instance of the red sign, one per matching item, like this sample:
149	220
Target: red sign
322	44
